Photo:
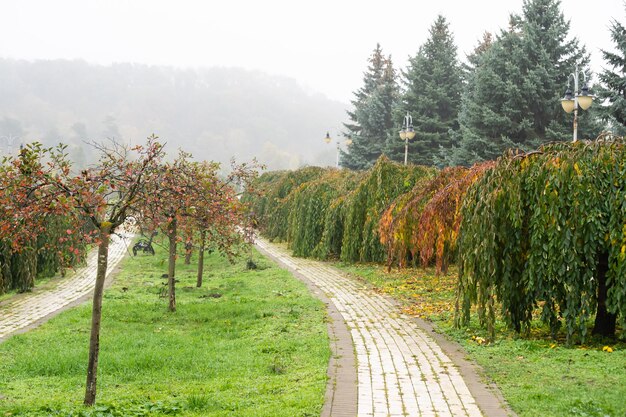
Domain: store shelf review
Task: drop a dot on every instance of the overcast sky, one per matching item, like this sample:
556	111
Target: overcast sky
324	44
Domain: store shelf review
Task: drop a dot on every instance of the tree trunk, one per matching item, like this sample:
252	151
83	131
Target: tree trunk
172	265
29	265
605	321
201	258
96	315
188	252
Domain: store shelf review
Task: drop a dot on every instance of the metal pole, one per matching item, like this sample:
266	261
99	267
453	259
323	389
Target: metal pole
575	75
575	138
406	139
575	120
406	150
337	163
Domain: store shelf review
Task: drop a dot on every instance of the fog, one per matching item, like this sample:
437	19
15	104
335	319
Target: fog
221	79
215	114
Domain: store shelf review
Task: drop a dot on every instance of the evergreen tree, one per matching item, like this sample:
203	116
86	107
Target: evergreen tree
474	59
371	119
432	97
512	98
468	152
614	80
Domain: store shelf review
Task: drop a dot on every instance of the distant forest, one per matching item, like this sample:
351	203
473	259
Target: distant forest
215	114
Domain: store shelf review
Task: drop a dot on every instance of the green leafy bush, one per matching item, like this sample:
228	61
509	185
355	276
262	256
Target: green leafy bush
367	203
548	229
309	207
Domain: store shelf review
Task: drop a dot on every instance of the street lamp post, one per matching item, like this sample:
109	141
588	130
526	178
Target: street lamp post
581	98
347	142
406	134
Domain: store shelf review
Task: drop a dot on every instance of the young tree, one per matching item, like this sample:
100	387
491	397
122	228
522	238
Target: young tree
105	194
186	193
221	218
372	117
433	83
172	192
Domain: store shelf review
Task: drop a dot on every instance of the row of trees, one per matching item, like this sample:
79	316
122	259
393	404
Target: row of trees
329	213
506	95
540	230
39	186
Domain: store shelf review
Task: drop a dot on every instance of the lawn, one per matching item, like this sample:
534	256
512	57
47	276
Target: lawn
249	343
538	376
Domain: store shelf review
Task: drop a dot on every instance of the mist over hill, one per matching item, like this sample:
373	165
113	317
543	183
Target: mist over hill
215	113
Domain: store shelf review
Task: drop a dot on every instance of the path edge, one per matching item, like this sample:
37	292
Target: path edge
110	278
341	394
486	393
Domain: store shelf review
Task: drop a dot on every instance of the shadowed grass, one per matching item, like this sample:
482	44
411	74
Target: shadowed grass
249	343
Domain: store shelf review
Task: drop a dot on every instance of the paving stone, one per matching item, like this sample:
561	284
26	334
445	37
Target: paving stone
401	370
30	308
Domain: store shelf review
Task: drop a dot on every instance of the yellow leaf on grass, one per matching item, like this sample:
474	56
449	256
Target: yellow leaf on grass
607	349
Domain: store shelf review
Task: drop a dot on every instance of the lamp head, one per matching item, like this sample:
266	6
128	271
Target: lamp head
584	98
410	133
568	101
327	139
403	134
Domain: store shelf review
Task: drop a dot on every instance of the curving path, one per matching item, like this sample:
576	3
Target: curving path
384	363
23	312
400	369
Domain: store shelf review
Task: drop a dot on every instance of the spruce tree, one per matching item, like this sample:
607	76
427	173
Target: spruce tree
433	85
512	98
474	59
472	147
371	120
614	80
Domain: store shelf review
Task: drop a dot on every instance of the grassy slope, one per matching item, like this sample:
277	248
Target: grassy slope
260	349
538	376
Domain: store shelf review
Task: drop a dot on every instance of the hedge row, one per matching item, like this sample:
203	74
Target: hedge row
49	253
542	230
330	213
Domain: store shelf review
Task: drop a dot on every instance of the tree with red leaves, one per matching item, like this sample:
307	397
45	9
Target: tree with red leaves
424	223
21	183
223	220
190	195
40	183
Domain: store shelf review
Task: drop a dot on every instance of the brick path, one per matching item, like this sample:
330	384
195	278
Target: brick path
27	309
401	370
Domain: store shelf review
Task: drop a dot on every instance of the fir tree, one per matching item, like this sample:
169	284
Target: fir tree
433	84
614	80
512	98
474	59
371	119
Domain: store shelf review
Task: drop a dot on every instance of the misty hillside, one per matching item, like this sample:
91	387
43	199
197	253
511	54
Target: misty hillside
213	113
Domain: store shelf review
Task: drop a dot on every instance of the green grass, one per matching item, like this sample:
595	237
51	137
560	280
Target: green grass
249	343
538	376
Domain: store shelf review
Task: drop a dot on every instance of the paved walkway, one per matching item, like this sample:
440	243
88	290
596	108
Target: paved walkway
401	370
24	311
